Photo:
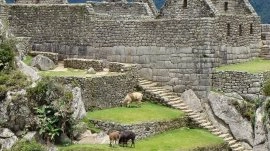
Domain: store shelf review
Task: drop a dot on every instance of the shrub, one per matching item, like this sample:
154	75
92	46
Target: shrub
246	109
266	88
24	145
12	80
7	49
52	105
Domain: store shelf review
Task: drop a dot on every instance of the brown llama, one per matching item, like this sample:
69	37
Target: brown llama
114	137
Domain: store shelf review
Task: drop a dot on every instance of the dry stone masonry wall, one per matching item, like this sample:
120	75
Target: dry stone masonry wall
143	130
177	49
240	82
105	91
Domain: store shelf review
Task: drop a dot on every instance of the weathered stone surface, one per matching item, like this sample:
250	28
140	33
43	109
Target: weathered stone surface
224	110
77	104
7	138
190	98
91	71
27	70
15	113
32	135
79	129
89	138
43	63
234	95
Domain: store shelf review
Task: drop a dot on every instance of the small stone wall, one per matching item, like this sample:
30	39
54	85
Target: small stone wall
240	82
104	91
76	63
51	55
143	130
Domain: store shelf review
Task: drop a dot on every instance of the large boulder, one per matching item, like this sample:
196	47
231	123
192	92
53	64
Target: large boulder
27	70
260	141
190	98
7	138
14	111
43	63
77	104
223	108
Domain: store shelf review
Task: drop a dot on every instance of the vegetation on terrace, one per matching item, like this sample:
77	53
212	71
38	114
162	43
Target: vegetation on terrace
254	66
178	139
147	112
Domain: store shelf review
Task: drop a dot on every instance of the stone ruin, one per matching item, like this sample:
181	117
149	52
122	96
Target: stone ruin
177	46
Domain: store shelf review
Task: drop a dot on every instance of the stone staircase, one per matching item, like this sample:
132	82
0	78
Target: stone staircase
172	99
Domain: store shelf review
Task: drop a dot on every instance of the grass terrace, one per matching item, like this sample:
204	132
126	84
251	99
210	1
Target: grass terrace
254	66
183	139
147	112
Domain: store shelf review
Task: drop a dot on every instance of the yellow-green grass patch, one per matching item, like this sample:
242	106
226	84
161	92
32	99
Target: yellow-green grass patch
254	66
179	139
146	113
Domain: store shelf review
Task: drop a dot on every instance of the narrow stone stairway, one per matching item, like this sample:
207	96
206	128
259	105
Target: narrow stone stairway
170	98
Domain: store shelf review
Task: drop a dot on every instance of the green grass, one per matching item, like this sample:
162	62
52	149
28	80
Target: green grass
147	112
253	66
179	139
68	73
28	60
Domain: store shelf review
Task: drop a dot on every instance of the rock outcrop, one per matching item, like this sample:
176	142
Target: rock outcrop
43	63
27	70
190	98
223	109
7	138
77	104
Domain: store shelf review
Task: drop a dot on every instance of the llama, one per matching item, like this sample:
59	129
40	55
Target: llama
114	137
125	136
132	97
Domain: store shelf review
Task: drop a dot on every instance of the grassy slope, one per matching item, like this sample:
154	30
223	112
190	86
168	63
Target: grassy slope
179	139
254	66
147	112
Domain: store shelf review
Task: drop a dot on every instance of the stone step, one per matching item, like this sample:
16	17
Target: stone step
194	116
228	139
176	99
240	149
236	145
209	127
148	85
206	124
180	107
175	102
232	142
217	133
224	135
187	111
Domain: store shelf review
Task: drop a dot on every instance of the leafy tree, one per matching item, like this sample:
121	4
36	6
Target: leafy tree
7	49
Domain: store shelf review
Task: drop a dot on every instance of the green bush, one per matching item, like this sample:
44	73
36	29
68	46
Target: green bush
52	104
266	88
24	145
246	109
12	80
7	54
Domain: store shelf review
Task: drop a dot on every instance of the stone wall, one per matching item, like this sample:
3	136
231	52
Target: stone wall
118	9
193	9
40	1
51	55
143	130
234	7
104	91
179	53
76	63
240	82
